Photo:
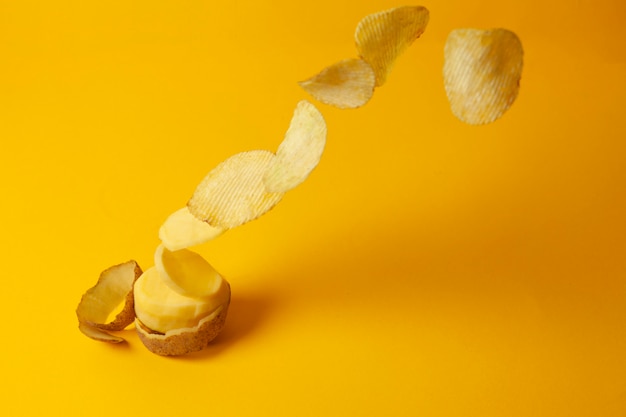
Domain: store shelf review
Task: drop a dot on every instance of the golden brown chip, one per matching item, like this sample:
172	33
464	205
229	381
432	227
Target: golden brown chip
183	341
347	84
382	37
482	71
233	193
114	287
300	151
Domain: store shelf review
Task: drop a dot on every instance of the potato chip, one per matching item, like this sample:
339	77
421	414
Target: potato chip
300	151
182	230
233	193
382	37
114	287
347	84
482	71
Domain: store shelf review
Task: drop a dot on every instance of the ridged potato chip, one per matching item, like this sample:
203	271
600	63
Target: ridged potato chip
233	193
300	151
382	37
482	72
182	230
347	84
114	287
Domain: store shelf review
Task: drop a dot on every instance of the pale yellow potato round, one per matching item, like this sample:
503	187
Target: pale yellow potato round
348	84
482	72
162	309
182	230
186	272
382	37
114	288
233	193
299	152
187	340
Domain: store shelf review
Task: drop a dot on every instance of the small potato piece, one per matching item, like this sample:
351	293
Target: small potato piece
382	37
182	230
114	287
482	72
233	193
347	84
300	151
183	341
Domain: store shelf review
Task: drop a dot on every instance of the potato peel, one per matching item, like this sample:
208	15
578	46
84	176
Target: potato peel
99	335
348	84
299	152
382	37
186	340
114	287
182	230
233	193
482	72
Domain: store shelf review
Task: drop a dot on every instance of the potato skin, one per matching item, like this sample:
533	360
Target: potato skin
183	341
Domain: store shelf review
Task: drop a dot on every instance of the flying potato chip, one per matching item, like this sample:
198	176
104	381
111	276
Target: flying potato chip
347	84
382	37
114	287
300	151
482	71
182	230
233	193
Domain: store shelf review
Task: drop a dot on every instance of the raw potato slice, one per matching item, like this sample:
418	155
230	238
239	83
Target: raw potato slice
162	309
182	230
300	151
233	193
382	37
482	71
186	272
114	287
347	84
183	341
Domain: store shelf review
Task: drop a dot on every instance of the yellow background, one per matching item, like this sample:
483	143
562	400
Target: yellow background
426	268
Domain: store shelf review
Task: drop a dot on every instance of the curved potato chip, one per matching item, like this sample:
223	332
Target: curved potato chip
482	71
182	230
347	84
300	151
382	37
186	272
114	287
233	193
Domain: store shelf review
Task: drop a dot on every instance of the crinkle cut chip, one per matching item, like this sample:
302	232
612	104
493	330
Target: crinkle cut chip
233	193
482	72
382	37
